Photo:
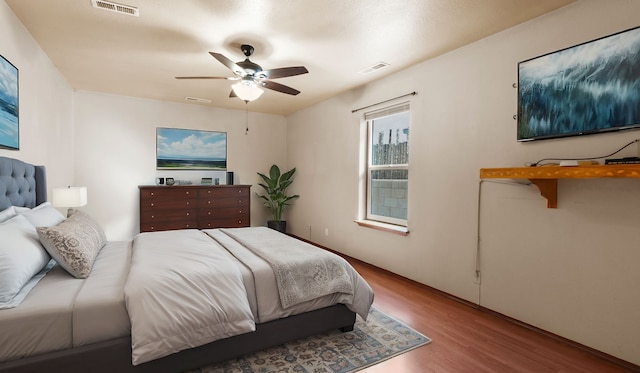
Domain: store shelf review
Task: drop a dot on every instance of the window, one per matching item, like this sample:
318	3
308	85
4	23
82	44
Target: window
388	165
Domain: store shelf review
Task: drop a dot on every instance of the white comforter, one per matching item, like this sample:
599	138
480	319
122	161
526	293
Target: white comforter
187	288
182	293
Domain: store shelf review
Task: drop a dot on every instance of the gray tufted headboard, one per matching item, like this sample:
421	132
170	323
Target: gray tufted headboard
21	184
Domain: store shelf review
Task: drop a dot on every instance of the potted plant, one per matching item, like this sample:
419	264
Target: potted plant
275	185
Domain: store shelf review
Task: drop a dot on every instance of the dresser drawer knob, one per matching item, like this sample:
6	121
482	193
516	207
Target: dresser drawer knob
187	225
187	214
209	202
187	192
209	213
153	228
208	191
153	216
152	205
239	211
152	193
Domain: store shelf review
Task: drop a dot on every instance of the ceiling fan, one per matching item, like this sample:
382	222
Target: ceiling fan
251	76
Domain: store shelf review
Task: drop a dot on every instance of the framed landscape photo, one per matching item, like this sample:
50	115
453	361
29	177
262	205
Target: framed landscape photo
9	125
186	149
589	88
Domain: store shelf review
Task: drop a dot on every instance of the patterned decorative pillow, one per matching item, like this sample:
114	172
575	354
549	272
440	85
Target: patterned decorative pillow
74	243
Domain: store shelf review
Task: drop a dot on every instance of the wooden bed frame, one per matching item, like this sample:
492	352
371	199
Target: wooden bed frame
115	355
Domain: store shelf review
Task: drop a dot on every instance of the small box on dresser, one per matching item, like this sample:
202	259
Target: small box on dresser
196	206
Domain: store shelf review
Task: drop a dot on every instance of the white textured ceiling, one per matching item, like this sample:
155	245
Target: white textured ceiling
103	51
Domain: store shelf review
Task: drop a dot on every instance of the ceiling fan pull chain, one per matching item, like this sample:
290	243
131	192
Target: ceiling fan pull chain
246	111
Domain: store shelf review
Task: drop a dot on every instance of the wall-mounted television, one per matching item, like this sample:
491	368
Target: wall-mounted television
186	149
589	88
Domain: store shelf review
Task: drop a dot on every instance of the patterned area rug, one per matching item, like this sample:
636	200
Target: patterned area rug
380	338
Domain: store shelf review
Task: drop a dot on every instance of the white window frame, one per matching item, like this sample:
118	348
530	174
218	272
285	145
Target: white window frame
369	118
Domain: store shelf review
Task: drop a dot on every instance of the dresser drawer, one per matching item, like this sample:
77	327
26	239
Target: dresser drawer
167	204
225	223
182	215
212	202
217	213
166	226
168	193
224	192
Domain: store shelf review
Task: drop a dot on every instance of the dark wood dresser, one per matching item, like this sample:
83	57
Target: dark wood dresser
193	207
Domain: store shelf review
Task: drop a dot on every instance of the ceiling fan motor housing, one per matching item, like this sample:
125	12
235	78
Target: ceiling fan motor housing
247	49
249	67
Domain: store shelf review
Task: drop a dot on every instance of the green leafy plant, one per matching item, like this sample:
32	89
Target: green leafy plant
275	185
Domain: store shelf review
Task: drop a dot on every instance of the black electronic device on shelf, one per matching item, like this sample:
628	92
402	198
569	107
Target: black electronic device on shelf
626	160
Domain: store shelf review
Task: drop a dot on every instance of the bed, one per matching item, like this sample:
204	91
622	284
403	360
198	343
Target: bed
125	312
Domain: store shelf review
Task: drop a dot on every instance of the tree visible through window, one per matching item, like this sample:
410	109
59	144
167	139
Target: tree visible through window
388	165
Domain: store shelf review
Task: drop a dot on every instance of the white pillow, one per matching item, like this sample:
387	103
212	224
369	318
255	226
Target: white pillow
28	286
21	257
7	214
20	209
43	215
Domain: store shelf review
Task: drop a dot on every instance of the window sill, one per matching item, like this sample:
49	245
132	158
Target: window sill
395	229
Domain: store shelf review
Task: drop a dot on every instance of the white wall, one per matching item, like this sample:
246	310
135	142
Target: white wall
116	152
571	271
45	103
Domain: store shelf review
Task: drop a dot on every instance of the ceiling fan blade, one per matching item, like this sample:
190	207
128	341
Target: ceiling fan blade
283	72
206	77
228	63
279	87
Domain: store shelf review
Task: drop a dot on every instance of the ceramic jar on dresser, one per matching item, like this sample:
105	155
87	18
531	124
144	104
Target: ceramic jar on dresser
193	207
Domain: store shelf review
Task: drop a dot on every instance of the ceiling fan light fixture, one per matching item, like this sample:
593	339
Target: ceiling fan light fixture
247	90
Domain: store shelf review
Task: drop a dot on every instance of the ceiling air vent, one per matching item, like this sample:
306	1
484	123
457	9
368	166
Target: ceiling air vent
114	7
196	99
376	67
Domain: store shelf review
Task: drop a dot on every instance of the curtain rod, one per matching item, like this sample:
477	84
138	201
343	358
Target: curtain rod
382	102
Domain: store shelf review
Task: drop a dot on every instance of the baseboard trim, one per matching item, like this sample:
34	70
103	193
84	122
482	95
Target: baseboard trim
592	351
626	365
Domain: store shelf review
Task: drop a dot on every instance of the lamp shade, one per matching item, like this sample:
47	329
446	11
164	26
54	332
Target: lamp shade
247	91
69	196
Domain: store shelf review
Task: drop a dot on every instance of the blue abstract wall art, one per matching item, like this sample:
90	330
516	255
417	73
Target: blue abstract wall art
9	125
589	88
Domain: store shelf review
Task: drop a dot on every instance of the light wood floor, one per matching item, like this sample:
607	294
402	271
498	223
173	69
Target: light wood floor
465	339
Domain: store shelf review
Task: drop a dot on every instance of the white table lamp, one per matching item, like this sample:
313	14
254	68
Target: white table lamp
69	196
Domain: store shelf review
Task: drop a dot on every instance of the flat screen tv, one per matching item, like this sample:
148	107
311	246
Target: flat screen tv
589	88
185	149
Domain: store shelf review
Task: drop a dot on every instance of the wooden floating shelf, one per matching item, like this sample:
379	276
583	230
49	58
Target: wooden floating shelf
546	177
